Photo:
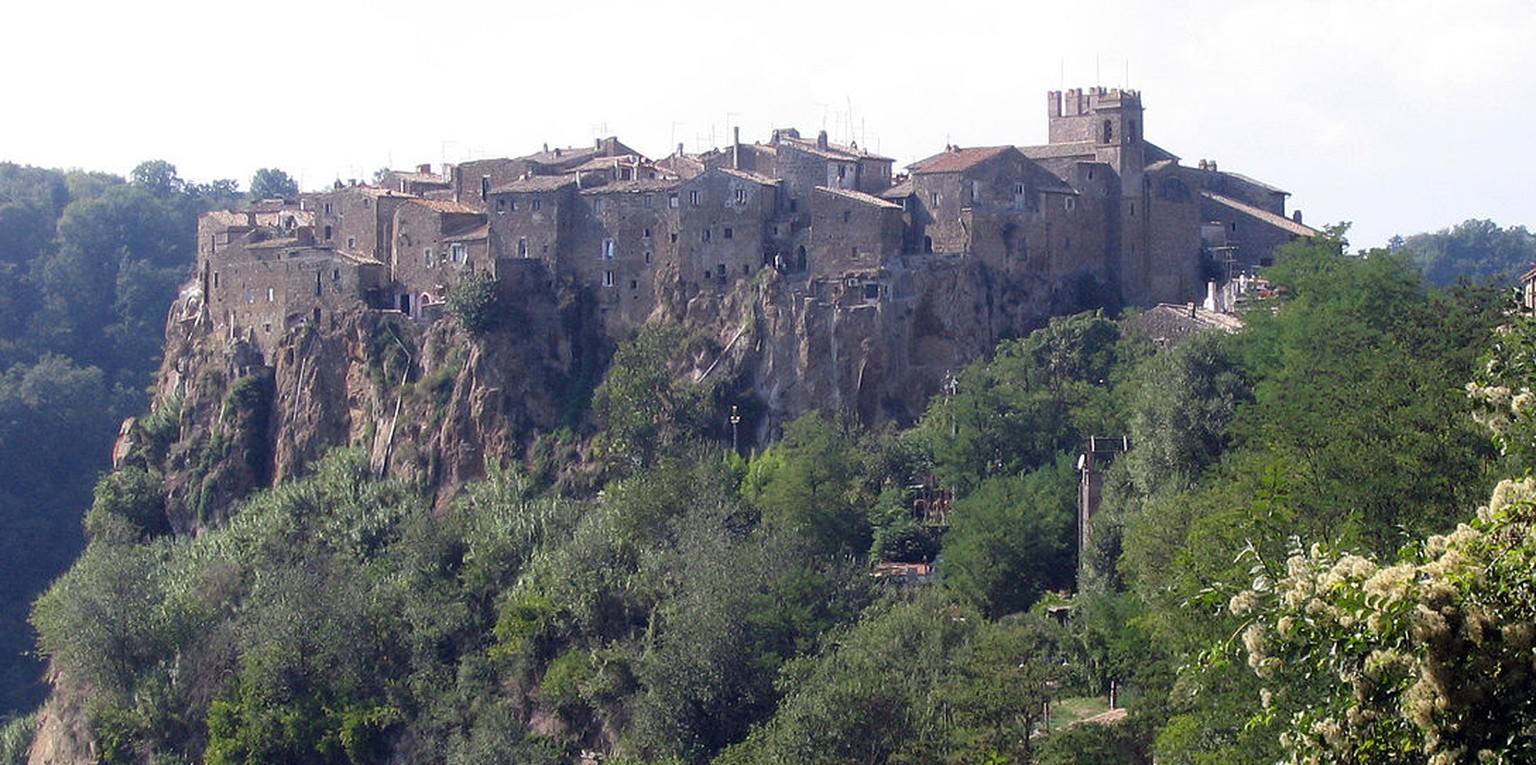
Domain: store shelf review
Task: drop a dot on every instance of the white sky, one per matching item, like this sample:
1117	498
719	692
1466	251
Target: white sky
1401	116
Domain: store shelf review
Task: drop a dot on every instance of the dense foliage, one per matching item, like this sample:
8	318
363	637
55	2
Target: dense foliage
1475	250
1277	570
88	265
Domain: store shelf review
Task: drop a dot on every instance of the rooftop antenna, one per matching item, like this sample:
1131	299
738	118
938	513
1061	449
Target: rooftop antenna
1098	79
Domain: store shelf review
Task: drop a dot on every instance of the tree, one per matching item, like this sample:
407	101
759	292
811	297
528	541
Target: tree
272	183
1426	659
157	177
1012	540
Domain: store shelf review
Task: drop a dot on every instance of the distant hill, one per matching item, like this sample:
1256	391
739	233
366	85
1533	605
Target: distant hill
1477	250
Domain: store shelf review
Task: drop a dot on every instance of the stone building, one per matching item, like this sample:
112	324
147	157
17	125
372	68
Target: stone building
1096	216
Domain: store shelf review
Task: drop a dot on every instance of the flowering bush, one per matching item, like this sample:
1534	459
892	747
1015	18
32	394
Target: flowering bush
1428	659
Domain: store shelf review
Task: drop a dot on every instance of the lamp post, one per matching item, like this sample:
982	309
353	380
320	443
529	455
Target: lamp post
735	421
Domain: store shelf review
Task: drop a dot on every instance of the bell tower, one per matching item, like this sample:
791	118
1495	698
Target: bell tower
1109	119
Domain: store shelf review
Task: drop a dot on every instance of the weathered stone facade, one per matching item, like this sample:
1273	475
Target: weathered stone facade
1098	216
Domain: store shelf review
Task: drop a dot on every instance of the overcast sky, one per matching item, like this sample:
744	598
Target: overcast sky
1400	116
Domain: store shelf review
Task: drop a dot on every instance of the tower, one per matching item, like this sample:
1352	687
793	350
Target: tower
1109	119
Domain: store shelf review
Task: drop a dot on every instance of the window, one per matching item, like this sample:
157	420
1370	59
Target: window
459	252
327	208
975	190
647	201
847	216
522	247
647	257
720	269
647	234
1018	189
271	294
250	295
634	284
727	233
1109	131
501	205
215	278
1070	203
597	207
607	278
608	249
704	235
537	203
694	198
854	252
741	196
1133	209
335	274
367	203
351	242
327	233
672	200
674	237
512	204
933	198
426	257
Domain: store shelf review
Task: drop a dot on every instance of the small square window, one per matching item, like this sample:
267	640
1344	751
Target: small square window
728	233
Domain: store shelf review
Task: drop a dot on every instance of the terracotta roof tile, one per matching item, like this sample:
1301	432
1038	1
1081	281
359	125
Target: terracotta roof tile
536	183
859	196
958	160
1278	221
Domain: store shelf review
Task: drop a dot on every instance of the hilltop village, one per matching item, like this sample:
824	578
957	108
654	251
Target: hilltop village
1098	211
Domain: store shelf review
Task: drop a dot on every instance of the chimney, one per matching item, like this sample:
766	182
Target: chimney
736	148
1296	216
821	140
424	169
679	150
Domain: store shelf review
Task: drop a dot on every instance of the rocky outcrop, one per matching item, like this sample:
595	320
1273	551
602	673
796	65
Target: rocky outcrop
435	403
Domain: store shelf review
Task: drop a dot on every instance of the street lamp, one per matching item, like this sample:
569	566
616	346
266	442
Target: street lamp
735	421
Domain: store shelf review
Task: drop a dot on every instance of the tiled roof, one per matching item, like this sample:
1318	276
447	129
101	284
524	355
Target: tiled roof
228	218
859	196
1251	182
445	206
633	186
1169	323
536	183
831	150
1278	221
481	231
958	160
746	176
1060	150
606	163
899	191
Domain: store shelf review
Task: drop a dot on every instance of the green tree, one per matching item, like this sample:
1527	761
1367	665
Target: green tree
1013	539
272	183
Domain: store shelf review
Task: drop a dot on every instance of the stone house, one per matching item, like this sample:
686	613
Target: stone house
437	245
258	283
1097	206
851	231
355	218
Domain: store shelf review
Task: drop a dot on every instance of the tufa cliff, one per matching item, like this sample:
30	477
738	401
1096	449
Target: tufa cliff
434	402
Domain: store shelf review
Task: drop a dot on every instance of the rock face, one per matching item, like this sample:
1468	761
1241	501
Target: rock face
434	403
